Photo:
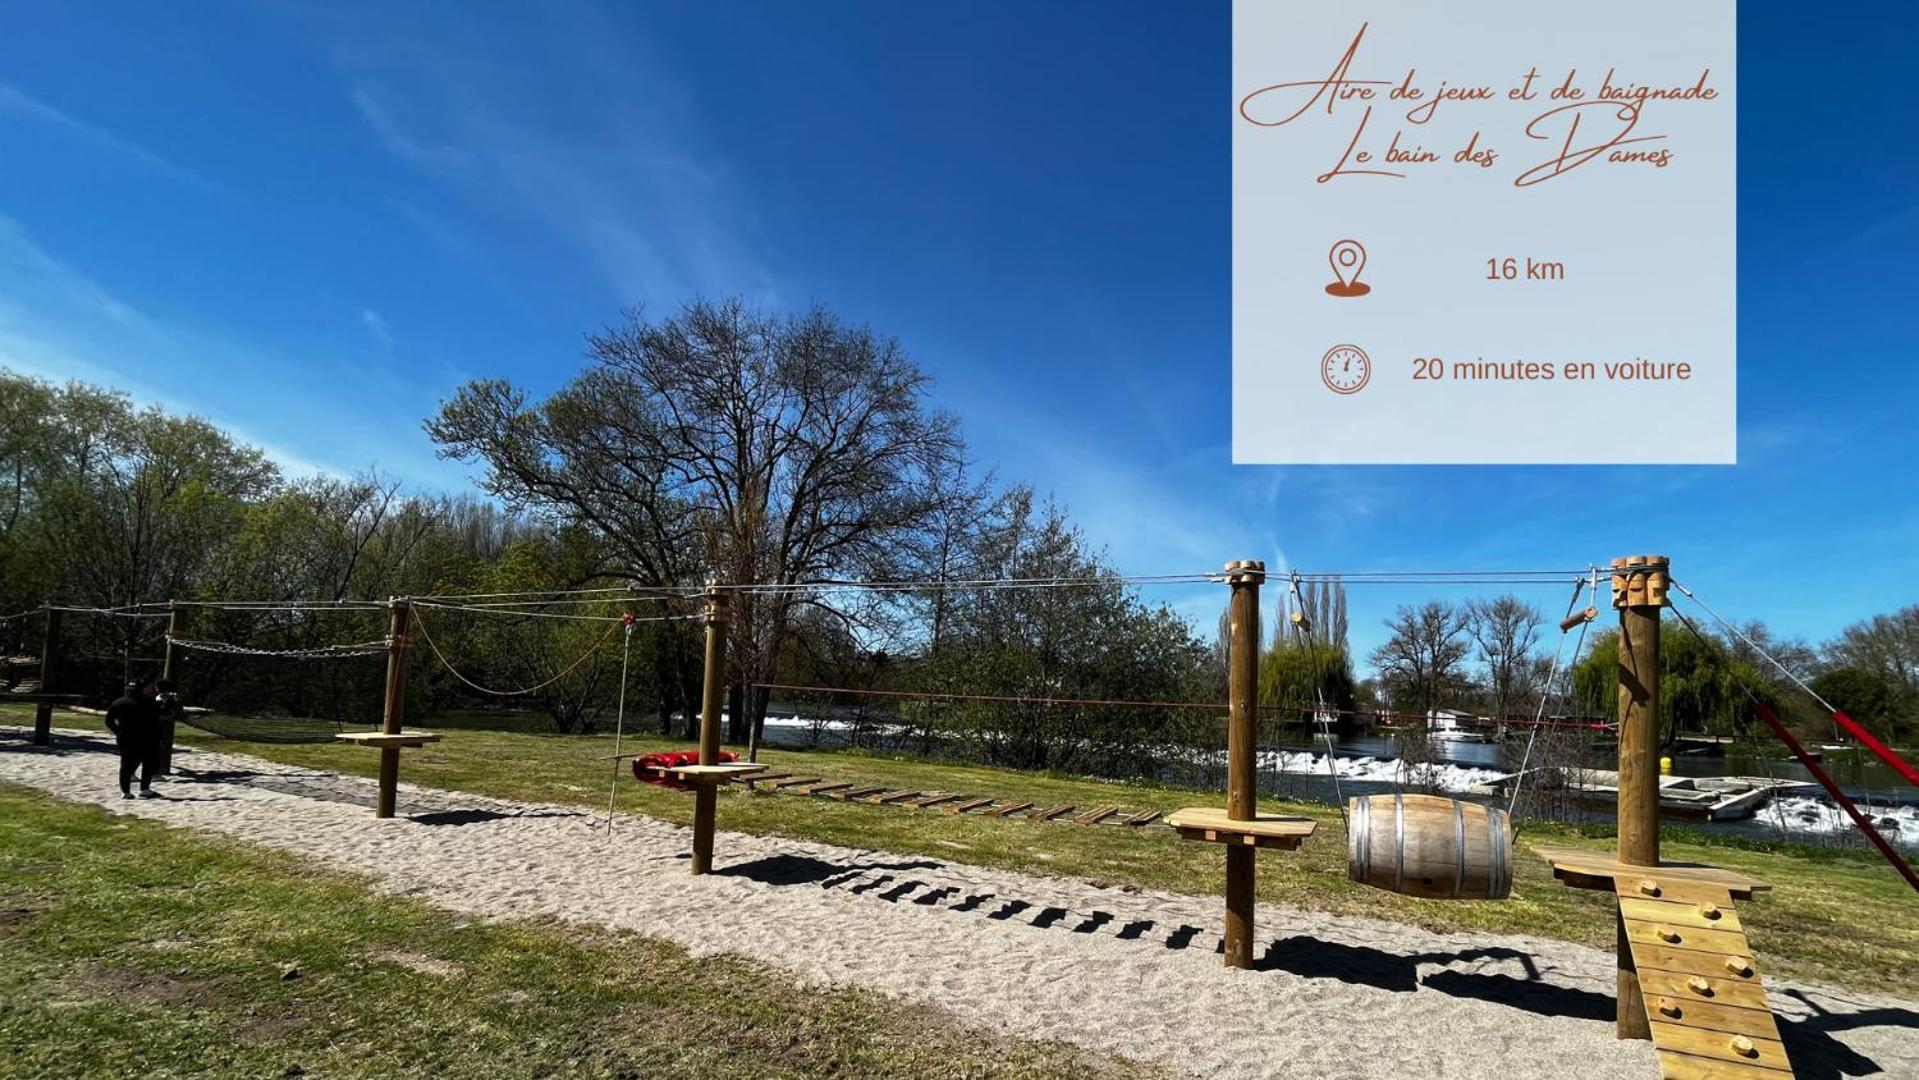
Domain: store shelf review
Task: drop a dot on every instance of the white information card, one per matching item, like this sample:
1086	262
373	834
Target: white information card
1490	231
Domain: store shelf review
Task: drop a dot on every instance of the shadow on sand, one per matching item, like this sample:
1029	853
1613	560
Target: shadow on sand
1815	1052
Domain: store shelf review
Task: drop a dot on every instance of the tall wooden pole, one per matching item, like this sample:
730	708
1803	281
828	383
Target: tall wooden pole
1639	585
49	678
1242	787
170	718
706	795
394	710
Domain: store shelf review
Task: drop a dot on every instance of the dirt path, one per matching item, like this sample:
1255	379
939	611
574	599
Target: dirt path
1112	969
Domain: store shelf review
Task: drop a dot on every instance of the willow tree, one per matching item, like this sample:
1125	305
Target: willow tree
767	448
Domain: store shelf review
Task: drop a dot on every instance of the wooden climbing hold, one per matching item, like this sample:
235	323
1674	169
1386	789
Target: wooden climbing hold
1669	1007
1709	911
1739	966
1744	1047
1700	985
1668	934
1649	887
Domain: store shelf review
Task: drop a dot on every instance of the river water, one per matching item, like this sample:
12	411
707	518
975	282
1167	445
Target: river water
1370	764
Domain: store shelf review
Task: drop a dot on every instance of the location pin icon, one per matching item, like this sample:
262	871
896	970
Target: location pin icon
1348	258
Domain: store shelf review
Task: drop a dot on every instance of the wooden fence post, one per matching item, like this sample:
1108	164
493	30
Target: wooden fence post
1639	585
1242	777
49	677
394	710
166	672
706	795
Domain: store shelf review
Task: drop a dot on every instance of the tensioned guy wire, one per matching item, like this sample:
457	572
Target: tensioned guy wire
1754	646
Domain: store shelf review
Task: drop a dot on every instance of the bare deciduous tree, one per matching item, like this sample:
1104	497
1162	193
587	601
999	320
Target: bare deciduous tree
1504	630
770	449
1421	661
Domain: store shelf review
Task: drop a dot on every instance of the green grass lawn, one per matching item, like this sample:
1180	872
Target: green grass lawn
1837	916
127	949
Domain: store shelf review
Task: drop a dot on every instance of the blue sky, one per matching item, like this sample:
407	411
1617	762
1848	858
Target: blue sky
311	222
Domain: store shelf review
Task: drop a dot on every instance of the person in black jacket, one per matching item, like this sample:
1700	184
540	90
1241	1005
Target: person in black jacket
136	722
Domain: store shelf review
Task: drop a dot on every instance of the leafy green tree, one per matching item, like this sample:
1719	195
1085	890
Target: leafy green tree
1291	671
1092	641
1867	696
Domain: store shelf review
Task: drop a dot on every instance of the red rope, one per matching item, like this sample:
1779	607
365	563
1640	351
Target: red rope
1005	698
1885	753
1012	699
1825	781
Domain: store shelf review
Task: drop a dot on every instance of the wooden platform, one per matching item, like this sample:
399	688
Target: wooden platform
383	741
1598	870
713	774
1213	826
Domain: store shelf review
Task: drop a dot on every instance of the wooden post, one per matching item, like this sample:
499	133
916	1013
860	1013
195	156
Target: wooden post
1242	786
49	677
171	718
394	710
706	795
1639	585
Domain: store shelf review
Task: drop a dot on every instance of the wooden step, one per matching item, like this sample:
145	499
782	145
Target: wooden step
933	799
1008	809
1144	817
1052	812
1096	815
967	806
1704	1001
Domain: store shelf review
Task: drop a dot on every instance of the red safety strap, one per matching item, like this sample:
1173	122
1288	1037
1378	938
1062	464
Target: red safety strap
1885	753
1825	781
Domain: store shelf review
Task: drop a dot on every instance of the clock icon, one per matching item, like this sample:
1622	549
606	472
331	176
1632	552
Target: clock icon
1345	369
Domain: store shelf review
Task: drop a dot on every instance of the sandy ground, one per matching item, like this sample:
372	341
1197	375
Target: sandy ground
1112	969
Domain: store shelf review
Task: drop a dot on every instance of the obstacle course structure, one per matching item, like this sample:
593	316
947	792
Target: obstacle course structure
1241	828
1687	980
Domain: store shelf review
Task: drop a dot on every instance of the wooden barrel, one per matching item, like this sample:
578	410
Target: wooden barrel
1424	845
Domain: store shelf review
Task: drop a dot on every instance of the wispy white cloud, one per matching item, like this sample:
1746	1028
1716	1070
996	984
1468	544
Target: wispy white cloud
376	325
18	103
398	140
57	323
630	181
